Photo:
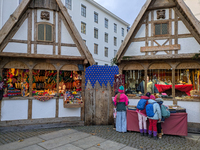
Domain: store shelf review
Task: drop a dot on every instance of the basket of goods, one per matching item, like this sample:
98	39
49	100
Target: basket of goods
72	100
195	94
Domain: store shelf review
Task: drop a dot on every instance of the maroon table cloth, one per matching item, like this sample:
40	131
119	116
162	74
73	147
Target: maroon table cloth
176	124
184	88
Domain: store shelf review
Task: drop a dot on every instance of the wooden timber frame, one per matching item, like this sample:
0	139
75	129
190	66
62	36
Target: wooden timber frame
42	64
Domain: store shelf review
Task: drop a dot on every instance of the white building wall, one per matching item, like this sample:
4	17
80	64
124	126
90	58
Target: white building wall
75	14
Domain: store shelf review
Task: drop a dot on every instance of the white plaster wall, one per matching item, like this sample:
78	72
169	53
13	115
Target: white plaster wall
192	109
150	16
141	32
70	51
134	49
75	14
166	14
68	112
56	50
14	110
182	29
56	27
45	109
32	48
173	14
16	48
22	32
65	36
44	20
173	32
45	49
33	28
149	30
188	45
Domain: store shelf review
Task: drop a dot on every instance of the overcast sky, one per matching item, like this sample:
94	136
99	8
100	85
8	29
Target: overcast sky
125	9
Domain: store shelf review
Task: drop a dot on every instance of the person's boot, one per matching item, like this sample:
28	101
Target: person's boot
141	132
160	135
150	134
162	131
155	135
145	132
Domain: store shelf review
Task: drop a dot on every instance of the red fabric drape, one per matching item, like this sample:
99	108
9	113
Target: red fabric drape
176	124
184	88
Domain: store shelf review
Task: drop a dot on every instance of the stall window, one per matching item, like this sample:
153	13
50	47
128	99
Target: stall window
17	82
161	28
133	78
45	32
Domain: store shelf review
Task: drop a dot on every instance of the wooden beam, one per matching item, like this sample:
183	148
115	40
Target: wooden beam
59	34
5	54
29	32
30	82
83	95
35	30
173	83
170	28
54	32
160	48
57	88
145	89
30	102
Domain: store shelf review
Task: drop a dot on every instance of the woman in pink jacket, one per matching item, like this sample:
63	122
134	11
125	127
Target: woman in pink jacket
121	101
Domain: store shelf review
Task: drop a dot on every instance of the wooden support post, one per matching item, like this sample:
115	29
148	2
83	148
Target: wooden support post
57	99
83	95
173	83
145	89
30	109
29	32
59	34
54	32
35	31
30	82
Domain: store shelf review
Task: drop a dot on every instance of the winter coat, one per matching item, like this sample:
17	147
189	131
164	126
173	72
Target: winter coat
160	103
156	109
143	112
123	102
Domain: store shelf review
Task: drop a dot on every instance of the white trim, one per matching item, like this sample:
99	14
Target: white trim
107	11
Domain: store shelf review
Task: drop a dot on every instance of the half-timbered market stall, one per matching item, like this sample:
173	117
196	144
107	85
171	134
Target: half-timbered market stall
158	56
42	66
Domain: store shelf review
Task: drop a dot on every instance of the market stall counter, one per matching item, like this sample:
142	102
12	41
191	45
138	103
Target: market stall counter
176	124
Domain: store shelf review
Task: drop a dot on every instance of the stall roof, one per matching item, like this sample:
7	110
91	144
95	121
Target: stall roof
15	17
149	5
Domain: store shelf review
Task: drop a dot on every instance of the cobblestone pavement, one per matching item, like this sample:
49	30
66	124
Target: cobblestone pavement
132	139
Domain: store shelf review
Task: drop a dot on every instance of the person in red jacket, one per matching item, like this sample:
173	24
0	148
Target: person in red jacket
142	116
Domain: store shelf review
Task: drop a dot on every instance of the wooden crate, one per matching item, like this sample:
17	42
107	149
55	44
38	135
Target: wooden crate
67	105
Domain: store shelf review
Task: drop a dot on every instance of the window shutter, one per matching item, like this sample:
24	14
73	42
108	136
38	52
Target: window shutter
41	32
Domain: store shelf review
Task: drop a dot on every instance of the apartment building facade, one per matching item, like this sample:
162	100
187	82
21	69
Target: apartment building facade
102	31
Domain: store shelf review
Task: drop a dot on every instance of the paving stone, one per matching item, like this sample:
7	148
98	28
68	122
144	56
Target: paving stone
67	147
129	148
32	147
111	145
56	134
63	140
18	145
94	148
88	142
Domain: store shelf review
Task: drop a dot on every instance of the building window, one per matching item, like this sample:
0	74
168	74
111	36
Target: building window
106	37
95	48
45	32
84	41
68	4
83	10
115	52
83	27
106	52
106	64
161	29
96	33
115	28
20	1
95	17
122	41
106	23
115	41
122	31
96	63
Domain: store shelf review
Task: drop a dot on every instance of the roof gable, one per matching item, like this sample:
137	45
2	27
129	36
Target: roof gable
23	12
180	9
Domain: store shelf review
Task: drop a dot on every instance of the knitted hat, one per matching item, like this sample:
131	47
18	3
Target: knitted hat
121	89
159	100
148	94
152	97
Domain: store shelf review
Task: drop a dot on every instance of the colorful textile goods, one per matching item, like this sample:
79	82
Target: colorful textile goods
43	98
14	93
